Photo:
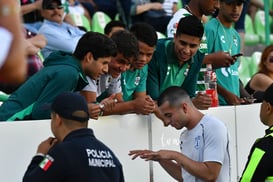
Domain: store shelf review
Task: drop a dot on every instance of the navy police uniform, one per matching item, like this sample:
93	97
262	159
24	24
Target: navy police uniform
79	157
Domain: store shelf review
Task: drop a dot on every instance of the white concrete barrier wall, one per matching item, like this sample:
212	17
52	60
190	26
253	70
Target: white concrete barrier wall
19	141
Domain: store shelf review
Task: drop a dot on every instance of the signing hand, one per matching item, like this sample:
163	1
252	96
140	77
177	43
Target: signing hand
152	155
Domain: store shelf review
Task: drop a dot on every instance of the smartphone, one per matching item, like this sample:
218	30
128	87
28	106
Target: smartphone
237	55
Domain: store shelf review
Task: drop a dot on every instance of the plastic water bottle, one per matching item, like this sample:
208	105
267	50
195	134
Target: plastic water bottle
211	85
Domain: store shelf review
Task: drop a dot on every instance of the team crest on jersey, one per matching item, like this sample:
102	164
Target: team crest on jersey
203	45
197	141
137	80
46	162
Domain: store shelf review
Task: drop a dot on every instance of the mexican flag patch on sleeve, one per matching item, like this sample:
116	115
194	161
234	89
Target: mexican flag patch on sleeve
46	162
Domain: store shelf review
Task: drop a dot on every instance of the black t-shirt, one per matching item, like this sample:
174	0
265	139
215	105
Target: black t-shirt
33	16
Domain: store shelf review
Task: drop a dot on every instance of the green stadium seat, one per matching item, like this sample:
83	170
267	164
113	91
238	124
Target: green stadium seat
81	21
248	66
99	21
179	4
251	38
41	56
243	69
259	26
270	4
253	66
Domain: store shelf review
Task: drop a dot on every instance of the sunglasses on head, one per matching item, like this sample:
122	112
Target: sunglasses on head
51	7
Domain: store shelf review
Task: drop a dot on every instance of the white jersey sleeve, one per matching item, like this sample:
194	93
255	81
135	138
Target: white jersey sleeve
173	23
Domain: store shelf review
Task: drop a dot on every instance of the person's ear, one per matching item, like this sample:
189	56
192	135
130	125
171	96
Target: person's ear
58	120
269	108
184	107
89	57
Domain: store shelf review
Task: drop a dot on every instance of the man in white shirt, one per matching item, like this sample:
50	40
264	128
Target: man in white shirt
204	143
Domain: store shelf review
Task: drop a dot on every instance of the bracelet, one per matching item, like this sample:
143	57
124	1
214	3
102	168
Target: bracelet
7	10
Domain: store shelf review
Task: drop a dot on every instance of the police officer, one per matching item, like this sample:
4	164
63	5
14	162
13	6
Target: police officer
74	154
259	166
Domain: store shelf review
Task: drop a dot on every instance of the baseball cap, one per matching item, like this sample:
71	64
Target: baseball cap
47	3
68	104
268	95
233	1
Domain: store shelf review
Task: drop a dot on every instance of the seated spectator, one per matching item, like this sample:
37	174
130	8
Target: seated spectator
172	63
31	11
12	55
113	26
151	13
107	89
62	72
264	77
60	36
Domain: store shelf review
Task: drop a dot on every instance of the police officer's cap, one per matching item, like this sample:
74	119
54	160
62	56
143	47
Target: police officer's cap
71	106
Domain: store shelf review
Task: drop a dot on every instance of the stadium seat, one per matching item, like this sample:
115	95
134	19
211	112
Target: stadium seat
249	66
251	38
259	26
81	21
179	4
253	66
243	69
99	21
41	56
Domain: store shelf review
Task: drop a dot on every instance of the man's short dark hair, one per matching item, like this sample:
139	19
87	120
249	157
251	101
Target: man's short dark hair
190	25
114	23
47	3
98	44
126	42
144	32
174	95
